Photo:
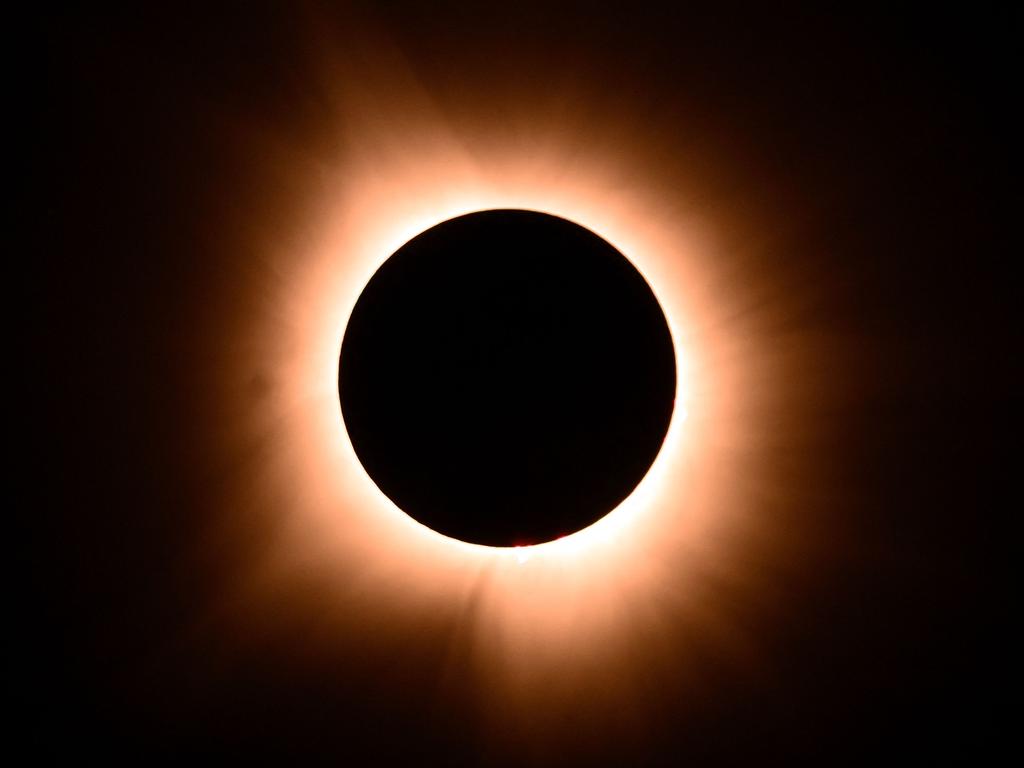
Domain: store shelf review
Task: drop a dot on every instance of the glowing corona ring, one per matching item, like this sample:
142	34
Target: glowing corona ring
615	523
410	210
330	519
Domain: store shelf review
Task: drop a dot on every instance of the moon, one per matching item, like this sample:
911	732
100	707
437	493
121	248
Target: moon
507	377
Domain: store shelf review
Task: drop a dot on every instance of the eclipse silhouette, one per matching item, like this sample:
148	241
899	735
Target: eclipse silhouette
507	377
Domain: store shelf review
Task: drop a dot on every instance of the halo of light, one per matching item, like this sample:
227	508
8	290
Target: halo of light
661	573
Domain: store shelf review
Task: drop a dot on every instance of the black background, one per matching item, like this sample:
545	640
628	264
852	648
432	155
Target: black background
888	137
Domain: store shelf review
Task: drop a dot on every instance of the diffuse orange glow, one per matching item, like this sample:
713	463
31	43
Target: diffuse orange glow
659	575
809	567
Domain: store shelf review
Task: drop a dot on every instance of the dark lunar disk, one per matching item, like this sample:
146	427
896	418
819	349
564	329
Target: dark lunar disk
507	377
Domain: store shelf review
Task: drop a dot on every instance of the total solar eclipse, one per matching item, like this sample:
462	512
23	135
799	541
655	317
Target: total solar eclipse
507	377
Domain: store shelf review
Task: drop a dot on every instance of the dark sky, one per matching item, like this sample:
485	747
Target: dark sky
881	145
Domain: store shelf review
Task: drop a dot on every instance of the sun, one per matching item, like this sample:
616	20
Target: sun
354	553
358	233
